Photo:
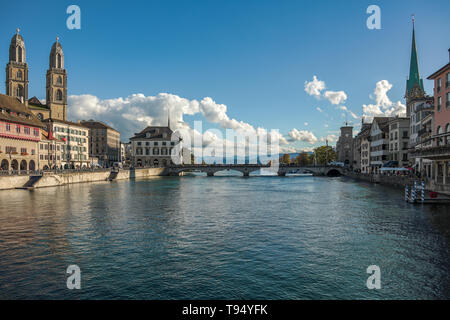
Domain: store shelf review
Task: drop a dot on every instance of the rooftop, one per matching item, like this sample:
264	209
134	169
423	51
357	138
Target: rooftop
13	110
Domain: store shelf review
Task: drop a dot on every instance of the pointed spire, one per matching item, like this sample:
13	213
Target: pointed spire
414	75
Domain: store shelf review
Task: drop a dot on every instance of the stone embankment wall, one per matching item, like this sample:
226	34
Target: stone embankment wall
50	179
396	181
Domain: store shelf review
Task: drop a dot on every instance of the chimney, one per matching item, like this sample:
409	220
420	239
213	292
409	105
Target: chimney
449	55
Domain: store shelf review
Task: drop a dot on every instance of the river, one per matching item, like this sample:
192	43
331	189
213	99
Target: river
225	237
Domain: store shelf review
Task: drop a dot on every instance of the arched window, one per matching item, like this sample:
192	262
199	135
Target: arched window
19	91
59	95
19	54
59	80
19	74
58	60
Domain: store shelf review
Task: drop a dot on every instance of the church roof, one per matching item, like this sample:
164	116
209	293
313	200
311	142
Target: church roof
17	38
56	45
156	132
414	79
15	111
92	124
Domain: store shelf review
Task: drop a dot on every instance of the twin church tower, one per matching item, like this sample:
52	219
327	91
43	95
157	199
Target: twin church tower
55	106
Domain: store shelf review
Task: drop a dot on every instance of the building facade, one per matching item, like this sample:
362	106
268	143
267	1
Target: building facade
442	102
104	142
50	152
399	141
437	173
155	146
379	143
75	146
19	136
365	150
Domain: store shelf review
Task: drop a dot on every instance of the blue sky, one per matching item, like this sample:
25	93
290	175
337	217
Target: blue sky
252	56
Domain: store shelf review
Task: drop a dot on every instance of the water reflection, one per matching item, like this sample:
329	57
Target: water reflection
225	237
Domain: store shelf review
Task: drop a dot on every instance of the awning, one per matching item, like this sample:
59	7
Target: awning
393	169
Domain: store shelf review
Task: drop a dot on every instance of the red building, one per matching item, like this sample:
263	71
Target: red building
442	103
19	136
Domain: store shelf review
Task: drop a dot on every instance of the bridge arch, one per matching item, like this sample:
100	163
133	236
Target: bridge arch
334	172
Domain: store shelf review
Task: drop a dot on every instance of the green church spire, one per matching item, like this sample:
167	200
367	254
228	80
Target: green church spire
414	75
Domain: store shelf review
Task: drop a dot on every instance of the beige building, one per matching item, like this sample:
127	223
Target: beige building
104	142
154	146
19	136
50	152
399	141
365	148
75	146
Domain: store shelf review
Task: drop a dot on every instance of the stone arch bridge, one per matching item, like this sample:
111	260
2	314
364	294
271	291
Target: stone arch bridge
246	169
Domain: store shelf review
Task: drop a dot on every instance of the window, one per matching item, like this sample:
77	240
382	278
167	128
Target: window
447	82
58	60
439	103
19	91
19	54
18	129
26	130
59	80
59	95
19	74
438	85
36	132
447	98
8	127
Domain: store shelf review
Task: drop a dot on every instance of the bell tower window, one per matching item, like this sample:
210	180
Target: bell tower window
19	91
19	54
19	74
58	60
59	95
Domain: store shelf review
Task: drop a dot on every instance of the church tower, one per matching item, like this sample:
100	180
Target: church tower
56	98
414	85
17	69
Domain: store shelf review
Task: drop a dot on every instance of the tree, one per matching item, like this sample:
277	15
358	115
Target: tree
322	156
286	158
302	159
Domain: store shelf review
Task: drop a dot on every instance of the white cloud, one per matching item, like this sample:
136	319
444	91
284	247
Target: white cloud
133	113
314	87
331	138
302	135
383	106
318	109
335	97
306	124
345	109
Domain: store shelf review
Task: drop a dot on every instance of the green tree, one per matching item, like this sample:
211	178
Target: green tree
322	156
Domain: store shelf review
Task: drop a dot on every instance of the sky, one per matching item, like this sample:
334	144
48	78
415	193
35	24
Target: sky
302	67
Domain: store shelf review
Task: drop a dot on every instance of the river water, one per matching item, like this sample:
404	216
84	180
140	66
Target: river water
227	237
